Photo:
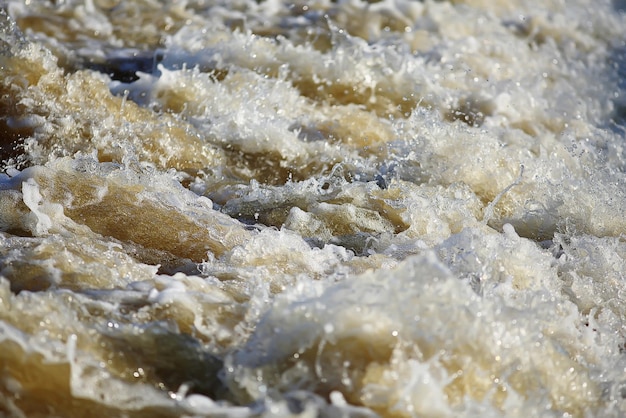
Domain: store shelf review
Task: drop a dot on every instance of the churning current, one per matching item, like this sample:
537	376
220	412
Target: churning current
325	208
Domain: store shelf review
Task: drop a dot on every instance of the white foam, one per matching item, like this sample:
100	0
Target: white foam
395	207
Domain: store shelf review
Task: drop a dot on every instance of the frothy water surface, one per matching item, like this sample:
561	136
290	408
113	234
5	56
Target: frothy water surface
326	208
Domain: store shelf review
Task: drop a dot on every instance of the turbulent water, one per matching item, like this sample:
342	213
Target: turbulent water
325	208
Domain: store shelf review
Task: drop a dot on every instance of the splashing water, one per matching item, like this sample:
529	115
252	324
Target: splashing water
328	208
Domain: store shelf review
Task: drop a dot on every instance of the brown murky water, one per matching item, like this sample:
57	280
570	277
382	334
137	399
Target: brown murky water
392	208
